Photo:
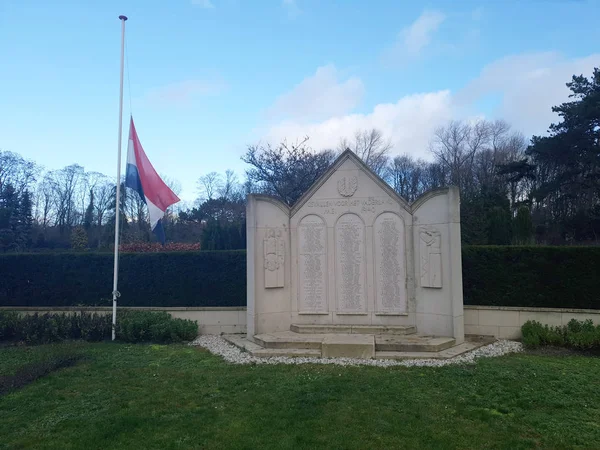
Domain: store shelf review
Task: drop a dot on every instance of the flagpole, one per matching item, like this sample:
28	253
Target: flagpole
115	292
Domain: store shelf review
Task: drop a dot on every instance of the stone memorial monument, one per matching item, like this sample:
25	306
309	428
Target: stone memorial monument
351	252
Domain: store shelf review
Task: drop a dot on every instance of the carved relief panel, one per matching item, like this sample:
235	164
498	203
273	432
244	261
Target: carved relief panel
430	243
347	186
274	258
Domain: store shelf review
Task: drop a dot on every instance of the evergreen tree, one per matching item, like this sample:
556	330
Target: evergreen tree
522	226
24	222
88	219
79	240
9	204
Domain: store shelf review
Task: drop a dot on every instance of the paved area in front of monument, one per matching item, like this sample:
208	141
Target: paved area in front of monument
354	342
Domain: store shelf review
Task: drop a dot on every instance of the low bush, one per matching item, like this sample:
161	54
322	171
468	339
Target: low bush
578	335
141	326
132	326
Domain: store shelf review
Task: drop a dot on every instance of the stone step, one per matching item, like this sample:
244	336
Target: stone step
360	346
426	344
353	329
336	345
383	342
289	339
443	354
256	350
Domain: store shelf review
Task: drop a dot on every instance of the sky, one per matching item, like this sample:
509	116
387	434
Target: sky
206	78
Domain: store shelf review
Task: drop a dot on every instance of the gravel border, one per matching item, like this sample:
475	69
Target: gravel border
230	353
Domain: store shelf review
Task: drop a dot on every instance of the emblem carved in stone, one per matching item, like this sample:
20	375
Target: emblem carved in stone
274	257
347	186
431	257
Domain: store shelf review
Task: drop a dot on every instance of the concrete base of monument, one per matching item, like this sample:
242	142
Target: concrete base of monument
339	342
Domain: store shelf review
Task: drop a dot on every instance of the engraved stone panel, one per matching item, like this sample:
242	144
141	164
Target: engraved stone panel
390	267
274	254
350	264
312	264
430	243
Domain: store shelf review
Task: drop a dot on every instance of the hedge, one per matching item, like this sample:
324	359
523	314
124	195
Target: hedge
551	277
132	326
145	279
560	277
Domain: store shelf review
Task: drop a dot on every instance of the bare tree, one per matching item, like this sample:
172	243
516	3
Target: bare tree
229	186
451	148
66	184
102	199
407	176
209	185
44	201
17	171
285	171
371	147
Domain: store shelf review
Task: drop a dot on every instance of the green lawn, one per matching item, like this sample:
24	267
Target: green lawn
178	397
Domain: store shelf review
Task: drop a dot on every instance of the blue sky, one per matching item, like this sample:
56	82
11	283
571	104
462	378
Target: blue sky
209	77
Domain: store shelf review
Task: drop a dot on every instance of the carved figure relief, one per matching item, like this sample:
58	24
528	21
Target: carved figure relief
431	257
274	257
347	186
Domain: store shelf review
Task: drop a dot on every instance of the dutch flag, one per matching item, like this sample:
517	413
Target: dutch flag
141	177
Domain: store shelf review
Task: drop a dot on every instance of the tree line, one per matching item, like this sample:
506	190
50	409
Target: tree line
513	190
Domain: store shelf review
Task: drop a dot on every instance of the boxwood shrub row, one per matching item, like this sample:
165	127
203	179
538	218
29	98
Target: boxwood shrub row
560	277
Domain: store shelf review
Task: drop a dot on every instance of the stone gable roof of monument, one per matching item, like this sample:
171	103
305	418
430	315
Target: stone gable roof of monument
350	155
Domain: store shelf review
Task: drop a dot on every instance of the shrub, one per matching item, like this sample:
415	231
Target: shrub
132	326
557	277
145	247
145	279
8	325
577	335
139	326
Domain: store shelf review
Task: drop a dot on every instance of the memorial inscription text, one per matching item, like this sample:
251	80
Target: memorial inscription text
312	264
350	264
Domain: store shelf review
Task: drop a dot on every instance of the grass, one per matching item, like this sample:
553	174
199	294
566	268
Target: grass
176	397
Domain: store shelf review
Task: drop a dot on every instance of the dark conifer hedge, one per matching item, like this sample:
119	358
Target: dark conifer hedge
550	277
559	277
145	279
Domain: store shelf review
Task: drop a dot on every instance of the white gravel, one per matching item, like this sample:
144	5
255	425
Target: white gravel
219	346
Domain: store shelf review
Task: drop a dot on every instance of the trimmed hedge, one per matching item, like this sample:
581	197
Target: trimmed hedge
145	279
551	277
577	335
132	326
559	277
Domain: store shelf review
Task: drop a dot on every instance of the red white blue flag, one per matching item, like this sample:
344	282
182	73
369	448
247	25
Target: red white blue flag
141	177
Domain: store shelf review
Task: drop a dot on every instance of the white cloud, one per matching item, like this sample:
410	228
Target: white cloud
183	92
413	39
206	4
527	85
409	123
292	8
418	35
319	97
